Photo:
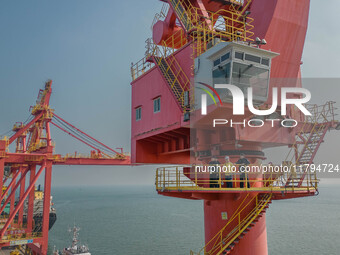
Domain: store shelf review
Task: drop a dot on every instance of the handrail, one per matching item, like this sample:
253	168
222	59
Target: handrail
174	179
235	27
321	115
222	242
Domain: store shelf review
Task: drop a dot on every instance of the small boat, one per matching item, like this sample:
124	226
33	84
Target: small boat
76	248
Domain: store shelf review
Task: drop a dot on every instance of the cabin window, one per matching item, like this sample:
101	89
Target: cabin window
225	57
245	76
253	58
221	75
265	61
138	113
217	62
157	105
239	55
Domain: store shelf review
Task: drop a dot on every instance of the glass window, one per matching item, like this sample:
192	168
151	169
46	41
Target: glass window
157	105
225	57
139	113
265	61
217	62
239	55
253	58
245	76
221	75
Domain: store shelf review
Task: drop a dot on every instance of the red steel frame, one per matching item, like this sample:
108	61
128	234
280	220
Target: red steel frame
34	156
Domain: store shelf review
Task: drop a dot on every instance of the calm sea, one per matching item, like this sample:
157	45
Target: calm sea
136	221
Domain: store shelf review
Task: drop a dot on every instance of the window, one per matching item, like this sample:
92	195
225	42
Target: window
239	55
245	76
253	58
217	62
157	104
225	57
221	75
265	61
138	113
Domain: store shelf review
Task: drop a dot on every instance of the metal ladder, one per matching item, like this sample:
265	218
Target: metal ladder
176	79
308	141
183	15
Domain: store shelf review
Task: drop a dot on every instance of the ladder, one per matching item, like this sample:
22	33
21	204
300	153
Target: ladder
183	13
308	141
177	80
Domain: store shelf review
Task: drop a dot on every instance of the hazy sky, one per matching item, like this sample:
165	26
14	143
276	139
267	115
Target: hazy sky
86	47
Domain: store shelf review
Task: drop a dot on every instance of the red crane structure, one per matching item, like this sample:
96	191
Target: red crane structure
196	46
33	156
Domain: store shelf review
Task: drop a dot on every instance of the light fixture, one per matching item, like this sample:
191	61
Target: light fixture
259	42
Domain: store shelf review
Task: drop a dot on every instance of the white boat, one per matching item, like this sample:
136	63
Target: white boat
76	248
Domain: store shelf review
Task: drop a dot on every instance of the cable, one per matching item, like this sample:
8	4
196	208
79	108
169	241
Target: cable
83	137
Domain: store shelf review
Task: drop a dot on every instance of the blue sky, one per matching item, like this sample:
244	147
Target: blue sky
86	47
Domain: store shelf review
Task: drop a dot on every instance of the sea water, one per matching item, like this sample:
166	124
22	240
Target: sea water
135	221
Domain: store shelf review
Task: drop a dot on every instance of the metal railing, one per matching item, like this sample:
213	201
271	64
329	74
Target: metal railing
225	238
160	15
18	237
205	31
309	137
254	178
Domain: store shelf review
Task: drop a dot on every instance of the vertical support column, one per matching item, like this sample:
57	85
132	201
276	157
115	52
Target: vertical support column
2	161
30	206
12	198
46	211
2	170
22	191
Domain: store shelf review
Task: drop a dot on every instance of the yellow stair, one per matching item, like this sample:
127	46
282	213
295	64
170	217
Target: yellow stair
224	243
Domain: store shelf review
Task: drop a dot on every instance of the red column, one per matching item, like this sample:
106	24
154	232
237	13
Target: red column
22	191
31	201
2	169
254	242
12	198
46	211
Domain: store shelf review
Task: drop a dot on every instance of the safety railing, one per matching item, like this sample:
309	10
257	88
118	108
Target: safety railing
140	68
309	136
321	113
205	31
211	28
19	236
268	178
160	15
167	48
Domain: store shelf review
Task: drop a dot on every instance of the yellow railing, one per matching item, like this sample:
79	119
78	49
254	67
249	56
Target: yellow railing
167	48
226	25
18	237
222	240
265	178
205	31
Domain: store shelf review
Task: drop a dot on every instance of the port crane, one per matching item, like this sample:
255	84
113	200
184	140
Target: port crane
186	34
34	156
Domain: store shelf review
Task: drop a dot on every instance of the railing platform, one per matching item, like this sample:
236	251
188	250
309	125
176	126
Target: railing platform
185	181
